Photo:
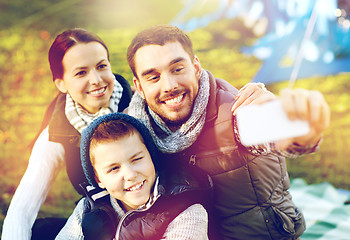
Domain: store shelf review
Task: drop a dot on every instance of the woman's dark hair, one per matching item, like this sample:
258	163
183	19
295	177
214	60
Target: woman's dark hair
64	42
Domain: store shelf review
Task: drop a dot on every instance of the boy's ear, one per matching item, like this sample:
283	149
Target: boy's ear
138	87
99	182
60	85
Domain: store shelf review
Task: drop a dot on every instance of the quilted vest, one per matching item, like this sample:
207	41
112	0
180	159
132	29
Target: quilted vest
178	189
251	200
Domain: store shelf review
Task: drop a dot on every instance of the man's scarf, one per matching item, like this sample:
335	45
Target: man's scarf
186	135
80	118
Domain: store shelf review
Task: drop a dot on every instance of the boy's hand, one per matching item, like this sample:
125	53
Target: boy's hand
252	93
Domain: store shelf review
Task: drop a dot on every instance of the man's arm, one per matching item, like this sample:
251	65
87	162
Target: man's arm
304	105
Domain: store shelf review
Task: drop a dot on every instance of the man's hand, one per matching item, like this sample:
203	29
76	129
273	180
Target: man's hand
305	105
252	93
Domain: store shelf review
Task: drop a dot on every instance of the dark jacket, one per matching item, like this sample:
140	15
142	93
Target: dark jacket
251	200
178	188
61	131
176	194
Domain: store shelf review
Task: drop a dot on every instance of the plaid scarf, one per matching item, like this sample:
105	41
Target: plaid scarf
80	118
187	134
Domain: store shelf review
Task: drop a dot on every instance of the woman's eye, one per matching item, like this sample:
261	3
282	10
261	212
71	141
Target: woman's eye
102	66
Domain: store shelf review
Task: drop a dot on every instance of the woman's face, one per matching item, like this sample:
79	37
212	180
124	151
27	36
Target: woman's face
87	76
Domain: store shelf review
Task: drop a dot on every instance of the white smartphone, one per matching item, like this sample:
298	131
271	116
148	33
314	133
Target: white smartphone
259	124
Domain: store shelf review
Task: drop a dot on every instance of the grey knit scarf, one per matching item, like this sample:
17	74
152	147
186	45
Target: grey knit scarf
187	134
80	118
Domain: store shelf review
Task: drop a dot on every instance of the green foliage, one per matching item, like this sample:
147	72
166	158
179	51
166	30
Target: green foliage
331	162
26	89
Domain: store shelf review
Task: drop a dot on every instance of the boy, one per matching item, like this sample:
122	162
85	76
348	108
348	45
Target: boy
118	154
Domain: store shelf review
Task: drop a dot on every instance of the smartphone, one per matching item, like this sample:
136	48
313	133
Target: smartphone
268	122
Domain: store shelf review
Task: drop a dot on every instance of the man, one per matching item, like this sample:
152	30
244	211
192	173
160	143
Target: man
188	112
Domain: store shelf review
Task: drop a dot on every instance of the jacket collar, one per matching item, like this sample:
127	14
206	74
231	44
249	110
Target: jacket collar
212	110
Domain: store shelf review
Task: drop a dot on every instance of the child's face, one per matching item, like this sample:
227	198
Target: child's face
125	168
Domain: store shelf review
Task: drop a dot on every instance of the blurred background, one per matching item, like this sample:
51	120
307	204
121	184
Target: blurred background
281	43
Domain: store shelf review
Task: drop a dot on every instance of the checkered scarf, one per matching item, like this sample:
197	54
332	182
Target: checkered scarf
188	132
80	118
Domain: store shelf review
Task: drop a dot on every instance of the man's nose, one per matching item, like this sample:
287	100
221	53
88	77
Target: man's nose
169	82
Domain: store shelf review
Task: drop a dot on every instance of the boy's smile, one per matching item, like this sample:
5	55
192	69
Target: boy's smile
125	168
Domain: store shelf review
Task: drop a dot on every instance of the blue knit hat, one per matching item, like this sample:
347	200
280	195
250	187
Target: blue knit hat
89	131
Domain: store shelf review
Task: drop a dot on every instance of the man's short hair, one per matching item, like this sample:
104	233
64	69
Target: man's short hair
158	35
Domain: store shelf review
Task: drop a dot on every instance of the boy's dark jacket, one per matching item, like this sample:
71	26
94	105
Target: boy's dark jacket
178	188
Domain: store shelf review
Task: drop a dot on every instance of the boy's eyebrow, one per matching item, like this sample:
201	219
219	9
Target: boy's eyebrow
114	163
151	70
136	154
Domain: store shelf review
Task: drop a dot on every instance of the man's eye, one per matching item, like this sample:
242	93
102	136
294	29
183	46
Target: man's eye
153	78
178	69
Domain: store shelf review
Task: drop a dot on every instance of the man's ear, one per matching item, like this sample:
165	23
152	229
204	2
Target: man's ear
60	85
138	87
198	67
99	183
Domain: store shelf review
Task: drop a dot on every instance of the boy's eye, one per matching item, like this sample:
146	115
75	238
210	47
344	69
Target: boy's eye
113	169
137	159
80	73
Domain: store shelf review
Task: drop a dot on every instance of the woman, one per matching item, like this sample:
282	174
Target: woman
79	62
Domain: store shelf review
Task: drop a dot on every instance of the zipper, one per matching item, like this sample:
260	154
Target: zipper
206	154
192	160
129	213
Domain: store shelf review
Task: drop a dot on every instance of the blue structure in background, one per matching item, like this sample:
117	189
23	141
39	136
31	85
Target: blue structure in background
306	37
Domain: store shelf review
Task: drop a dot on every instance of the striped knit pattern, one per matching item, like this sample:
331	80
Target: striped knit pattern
80	118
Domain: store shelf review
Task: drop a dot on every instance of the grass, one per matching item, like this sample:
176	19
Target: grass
26	88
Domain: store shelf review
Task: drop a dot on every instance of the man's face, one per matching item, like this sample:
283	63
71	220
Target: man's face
168	81
125	168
